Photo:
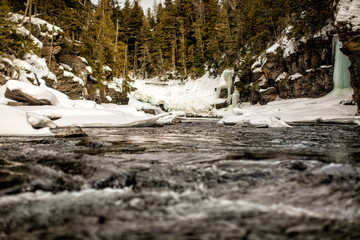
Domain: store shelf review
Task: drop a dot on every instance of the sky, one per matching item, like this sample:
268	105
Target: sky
144	3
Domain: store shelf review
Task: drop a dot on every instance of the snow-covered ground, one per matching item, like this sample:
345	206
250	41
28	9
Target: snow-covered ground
194	97
190	97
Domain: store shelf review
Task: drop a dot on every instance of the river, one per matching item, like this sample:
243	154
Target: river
192	180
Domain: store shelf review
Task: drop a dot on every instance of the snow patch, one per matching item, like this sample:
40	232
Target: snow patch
295	76
75	78
348	14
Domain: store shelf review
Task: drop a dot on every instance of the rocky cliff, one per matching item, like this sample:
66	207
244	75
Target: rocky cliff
348	28
304	68
58	65
291	69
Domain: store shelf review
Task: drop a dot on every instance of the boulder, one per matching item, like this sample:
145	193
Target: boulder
19	96
351	48
2	79
267	95
71	132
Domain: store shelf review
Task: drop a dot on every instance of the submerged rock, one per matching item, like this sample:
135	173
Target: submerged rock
71	132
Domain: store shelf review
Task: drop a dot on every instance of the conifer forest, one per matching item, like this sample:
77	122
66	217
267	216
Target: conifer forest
181	37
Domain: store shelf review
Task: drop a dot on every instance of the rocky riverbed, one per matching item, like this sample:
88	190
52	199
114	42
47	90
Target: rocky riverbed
193	180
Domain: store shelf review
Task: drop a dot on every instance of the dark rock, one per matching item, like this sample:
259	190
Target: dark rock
71	132
221	105
351	48
19	96
313	61
76	63
2	79
14	104
267	95
68	86
223	93
150	111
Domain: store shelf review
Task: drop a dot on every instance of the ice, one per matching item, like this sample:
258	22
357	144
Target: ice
195	97
342	63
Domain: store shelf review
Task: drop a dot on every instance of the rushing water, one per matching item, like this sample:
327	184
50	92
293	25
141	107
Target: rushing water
193	180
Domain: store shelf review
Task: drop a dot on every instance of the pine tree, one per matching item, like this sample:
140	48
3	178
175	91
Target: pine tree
10	41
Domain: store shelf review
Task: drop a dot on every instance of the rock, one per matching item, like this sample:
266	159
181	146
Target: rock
68	86
15	104
351	48
221	105
267	95
19	96
150	111
2	79
76	63
40	121
71	132
223	93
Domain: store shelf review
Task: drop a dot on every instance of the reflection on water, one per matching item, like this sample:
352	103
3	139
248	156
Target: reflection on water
194	180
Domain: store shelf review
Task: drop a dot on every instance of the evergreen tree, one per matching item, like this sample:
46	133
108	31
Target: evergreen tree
10	41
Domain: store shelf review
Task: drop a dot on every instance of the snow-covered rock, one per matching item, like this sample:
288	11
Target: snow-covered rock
348	14
14	122
245	118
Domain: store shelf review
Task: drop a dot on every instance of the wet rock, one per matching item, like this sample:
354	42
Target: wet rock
19	96
71	132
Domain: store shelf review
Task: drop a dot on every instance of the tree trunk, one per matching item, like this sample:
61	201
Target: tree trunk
51	49
135	59
30	13
125	62
27	4
116	39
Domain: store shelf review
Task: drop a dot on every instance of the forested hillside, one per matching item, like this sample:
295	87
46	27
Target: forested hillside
180	37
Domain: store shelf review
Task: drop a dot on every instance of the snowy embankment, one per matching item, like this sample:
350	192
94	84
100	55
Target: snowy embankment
197	97
27	83
22	120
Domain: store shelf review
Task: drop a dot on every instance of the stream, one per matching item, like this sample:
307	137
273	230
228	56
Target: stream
191	180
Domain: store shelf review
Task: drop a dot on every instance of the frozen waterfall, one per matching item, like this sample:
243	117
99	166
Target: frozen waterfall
341	75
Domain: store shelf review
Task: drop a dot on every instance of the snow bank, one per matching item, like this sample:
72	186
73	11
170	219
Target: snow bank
14	122
247	118
21	120
329	107
349	14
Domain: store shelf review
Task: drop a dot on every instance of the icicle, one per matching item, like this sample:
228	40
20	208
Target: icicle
235	98
342	63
